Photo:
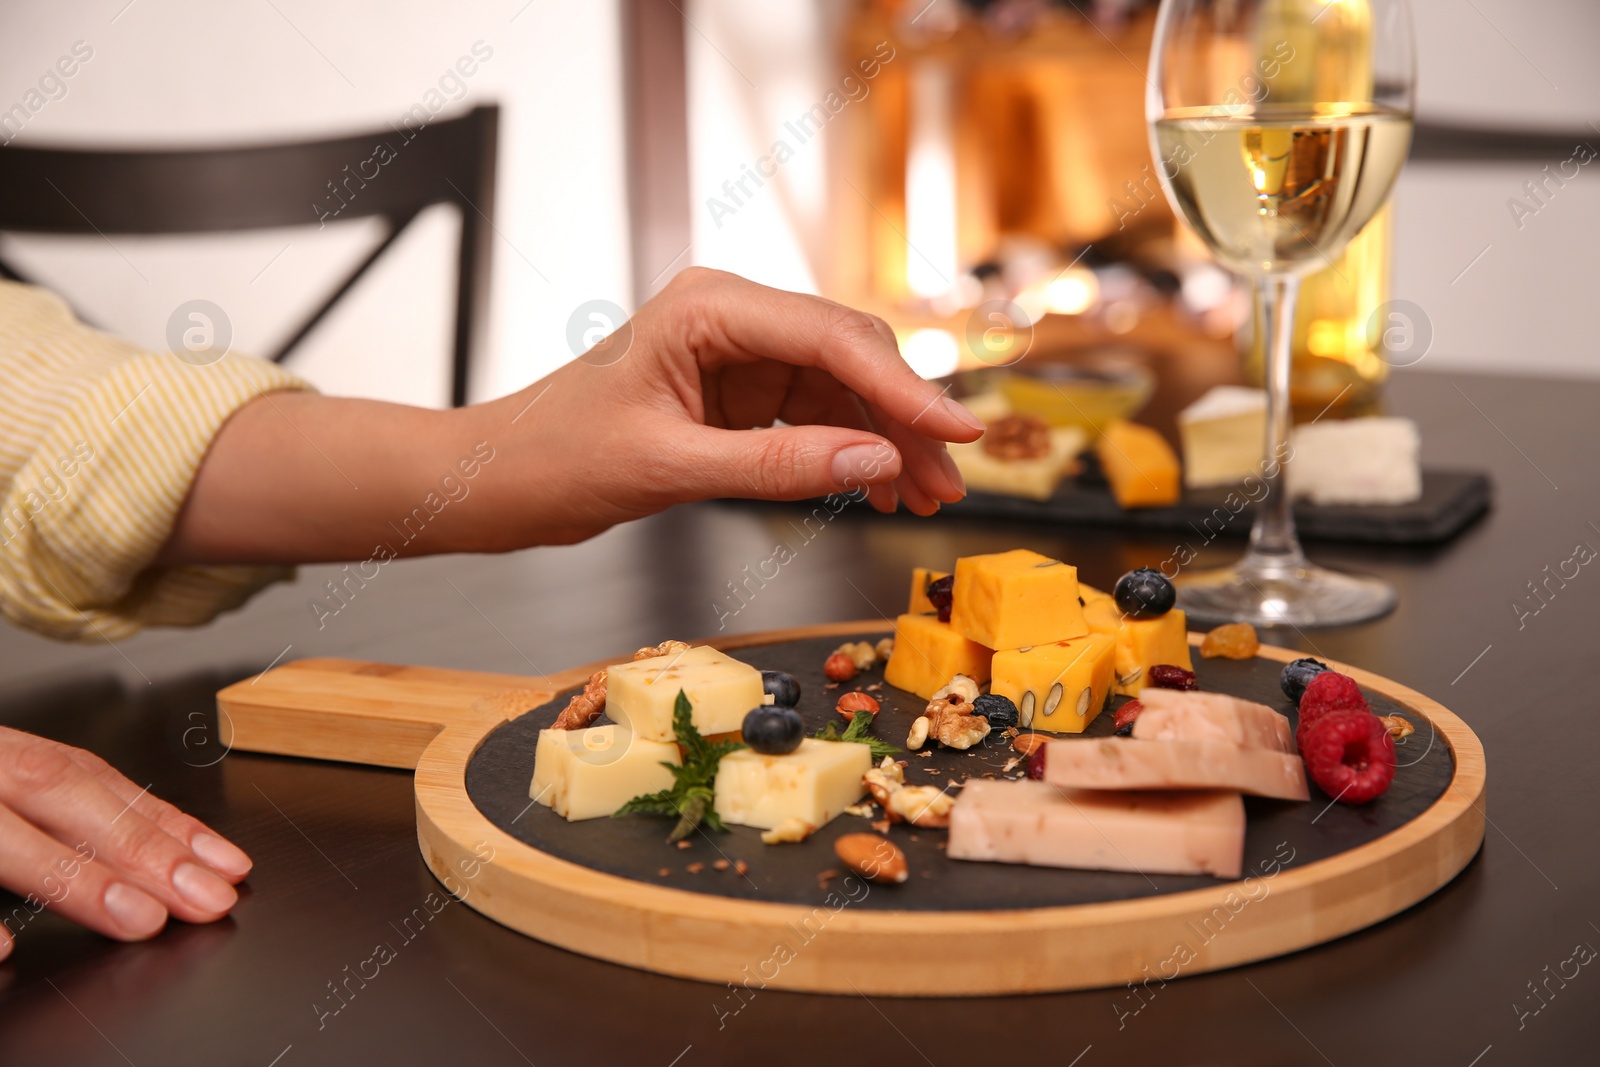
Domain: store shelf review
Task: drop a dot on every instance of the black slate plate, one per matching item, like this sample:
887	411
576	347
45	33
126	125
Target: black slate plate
1450	501
1279	833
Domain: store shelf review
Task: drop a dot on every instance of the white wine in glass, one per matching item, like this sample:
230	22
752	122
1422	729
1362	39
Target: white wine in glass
1280	127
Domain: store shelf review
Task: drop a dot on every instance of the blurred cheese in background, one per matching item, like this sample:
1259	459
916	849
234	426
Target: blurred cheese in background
1356	461
1224	436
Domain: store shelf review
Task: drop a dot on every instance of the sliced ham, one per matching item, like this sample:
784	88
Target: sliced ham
1173	715
1151	832
1130	763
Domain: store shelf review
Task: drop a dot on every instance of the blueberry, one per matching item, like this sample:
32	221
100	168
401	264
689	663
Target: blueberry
773	730
781	687
1145	594
1297	675
941	594
999	710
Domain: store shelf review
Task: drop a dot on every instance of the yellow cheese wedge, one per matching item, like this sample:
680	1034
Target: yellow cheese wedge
1139	464
1017	598
1143	643
814	783
928	653
584	774
919	603
721	691
1058	687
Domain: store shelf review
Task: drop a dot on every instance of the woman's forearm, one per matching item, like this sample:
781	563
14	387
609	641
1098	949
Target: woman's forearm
302	478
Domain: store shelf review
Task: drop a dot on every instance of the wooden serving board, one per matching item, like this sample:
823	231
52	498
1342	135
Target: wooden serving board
612	889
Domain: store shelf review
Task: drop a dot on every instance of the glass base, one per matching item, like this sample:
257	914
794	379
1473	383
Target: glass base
1267	591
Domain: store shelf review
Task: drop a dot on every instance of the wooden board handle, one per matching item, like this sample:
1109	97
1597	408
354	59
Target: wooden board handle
374	713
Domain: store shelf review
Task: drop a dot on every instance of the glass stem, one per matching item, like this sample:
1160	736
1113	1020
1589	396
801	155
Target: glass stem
1273	543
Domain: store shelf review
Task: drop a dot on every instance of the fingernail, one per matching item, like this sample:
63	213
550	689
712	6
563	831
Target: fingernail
961	413
202	889
947	463
136	913
221	855
857	465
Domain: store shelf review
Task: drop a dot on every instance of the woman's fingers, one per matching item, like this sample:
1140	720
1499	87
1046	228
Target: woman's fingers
779	463
222	855
48	788
729	313
75	883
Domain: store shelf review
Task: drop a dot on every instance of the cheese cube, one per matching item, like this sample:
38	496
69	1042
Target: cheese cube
813	783
1018	598
1139	464
1143	643
928	653
919	603
1151	833
1356	461
1059	687
1224	436
721	691
1035	479
1100	612
584	774
1128	763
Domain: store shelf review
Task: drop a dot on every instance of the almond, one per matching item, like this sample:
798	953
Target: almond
1027	744
875	858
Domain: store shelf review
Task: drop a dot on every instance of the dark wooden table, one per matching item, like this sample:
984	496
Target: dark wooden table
337	870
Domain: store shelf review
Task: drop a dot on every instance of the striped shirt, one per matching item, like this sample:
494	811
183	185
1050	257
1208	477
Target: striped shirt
99	443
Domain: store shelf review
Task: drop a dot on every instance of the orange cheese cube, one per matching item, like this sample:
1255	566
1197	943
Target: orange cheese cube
1141	467
1100	612
1059	687
928	653
1014	599
919	603
1143	643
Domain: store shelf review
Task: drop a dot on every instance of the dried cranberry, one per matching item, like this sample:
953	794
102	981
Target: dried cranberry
1036	764
941	594
1167	676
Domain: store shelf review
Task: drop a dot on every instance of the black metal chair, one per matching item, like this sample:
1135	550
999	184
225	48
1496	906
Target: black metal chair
393	174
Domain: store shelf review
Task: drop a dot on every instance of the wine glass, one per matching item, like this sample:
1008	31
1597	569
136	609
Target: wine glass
1279	127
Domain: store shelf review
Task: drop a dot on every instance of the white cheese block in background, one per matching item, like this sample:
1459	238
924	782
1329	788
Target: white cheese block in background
1035	479
1356	461
814	783
1153	833
721	691
1224	436
584	774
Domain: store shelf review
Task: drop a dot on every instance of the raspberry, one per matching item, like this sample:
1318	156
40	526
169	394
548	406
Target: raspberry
1167	676
1350	755
1329	692
1125	716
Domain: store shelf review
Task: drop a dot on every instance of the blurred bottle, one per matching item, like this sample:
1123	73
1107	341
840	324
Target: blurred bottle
1337	359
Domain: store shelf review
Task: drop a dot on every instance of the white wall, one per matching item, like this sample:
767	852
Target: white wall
191	71
1527	305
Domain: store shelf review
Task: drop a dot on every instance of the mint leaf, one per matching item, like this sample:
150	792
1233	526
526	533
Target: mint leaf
691	797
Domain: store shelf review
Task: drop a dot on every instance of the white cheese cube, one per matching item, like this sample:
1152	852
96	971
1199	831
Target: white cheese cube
1224	436
1356	461
814	783
721	691
584	774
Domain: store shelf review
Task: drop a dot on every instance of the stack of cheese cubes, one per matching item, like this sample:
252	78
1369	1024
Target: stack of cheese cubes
1022	622
585	774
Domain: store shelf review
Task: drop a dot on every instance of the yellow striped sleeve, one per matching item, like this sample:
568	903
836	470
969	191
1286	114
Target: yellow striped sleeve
99	443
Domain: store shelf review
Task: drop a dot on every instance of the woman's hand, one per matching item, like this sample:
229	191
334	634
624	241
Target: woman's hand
677	405
79	838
